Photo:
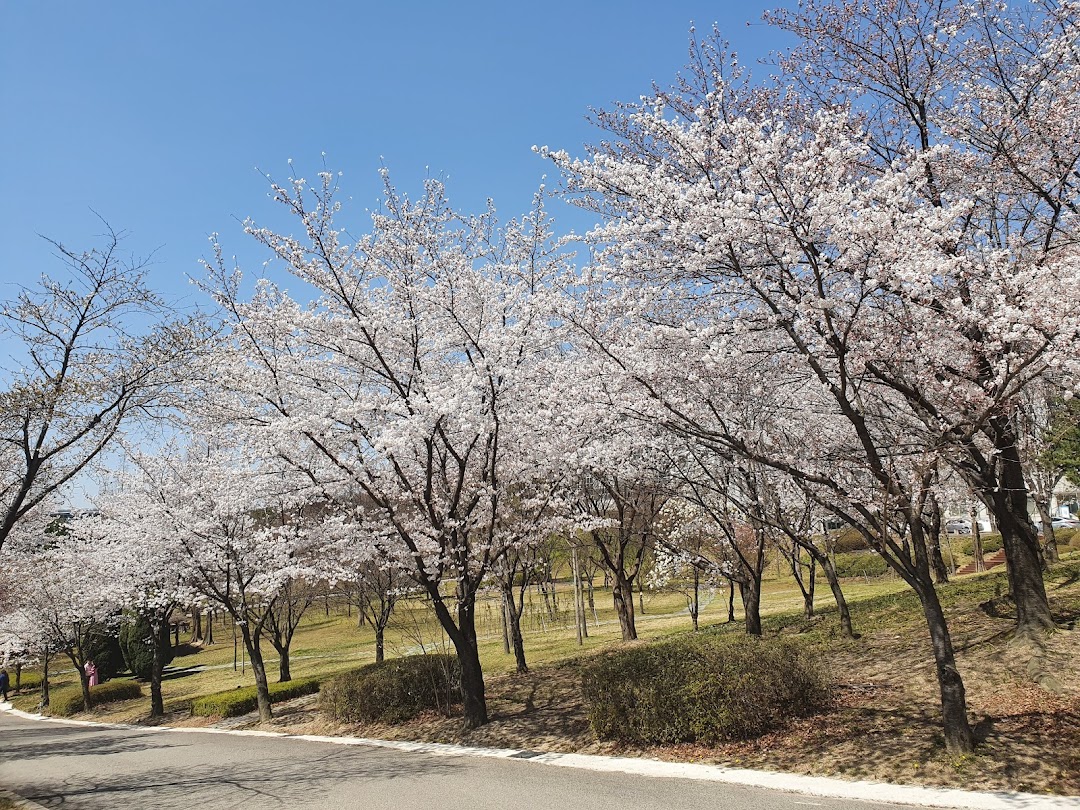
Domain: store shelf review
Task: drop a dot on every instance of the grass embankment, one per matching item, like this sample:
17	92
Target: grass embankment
884	724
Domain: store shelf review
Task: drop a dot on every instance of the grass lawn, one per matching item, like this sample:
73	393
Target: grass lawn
884	725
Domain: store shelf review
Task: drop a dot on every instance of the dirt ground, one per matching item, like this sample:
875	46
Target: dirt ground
884	725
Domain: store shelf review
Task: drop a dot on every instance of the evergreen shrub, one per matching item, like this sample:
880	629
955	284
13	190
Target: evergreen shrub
394	690
701	688
235	702
69	702
137	646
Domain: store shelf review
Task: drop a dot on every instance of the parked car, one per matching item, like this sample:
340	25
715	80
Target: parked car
962	525
1065	522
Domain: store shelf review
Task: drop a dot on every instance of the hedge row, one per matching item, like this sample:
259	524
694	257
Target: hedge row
701	688
236	702
393	691
68	703
990	542
861	564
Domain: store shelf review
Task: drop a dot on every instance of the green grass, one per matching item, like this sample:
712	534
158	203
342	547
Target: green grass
329	644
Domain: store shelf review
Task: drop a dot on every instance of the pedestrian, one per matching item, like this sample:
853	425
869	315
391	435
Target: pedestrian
4	681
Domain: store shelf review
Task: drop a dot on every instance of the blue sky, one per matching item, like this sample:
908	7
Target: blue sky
156	115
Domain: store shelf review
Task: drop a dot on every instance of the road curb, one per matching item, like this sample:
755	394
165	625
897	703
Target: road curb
818	786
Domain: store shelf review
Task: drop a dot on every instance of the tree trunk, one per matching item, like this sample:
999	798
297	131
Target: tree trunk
622	593
514	617
157	668
1022	553
806	583
283	665
579	600
505	623
731	601
831	577
196	626
45	682
209	640
472	675
1050	552
937	562
958	734
695	603
750	592
258	668
84	682
976	544
380	643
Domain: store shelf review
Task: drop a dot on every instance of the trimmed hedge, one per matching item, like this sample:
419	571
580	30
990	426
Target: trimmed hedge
236	702
68	703
848	540
701	688
990	544
861	564
393	691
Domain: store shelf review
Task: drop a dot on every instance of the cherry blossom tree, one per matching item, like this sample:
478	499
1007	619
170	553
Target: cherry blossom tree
418	381
751	241
91	353
61	599
985	91
220	505
146	565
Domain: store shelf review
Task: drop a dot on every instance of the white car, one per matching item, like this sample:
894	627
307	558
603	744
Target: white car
962	525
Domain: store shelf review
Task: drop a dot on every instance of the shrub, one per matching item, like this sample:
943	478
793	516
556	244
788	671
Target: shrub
990	544
861	564
849	540
136	643
701	688
236	702
1067	537
67	703
393	691
104	650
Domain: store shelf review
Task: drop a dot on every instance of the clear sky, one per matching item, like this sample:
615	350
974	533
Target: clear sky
156	114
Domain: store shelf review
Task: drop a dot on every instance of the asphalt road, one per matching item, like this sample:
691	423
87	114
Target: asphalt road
80	767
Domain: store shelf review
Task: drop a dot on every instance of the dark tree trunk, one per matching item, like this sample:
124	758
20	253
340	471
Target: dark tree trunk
1050	551
976	544
937	562
283	665
622	593
695	603
18	677
209	640
513	616
45	682
807	582
258	668
958	735
196	626
157	667
829	569
380	643
750	593
472	675
731	601
84	682
1022	553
